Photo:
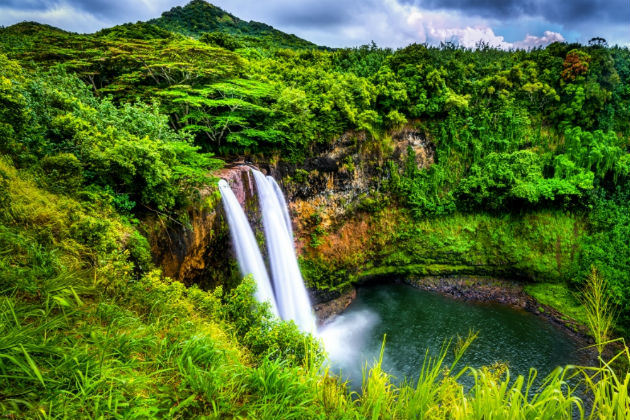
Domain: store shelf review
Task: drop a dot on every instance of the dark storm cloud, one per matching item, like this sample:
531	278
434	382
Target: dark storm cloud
26	4
105	10
355	22
485	8
562	12
613	11
319	16
115	10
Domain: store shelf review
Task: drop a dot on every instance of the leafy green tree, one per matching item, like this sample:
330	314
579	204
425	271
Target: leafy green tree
220	39
512	179
230	114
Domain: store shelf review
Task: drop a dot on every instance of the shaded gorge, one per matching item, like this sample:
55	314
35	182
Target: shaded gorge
416	322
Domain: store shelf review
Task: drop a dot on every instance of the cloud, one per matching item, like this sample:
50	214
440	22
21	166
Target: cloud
438	27
123	10
532	41
396	23
374	21
61	16
323	13
390	23
567	12
26	4
82	15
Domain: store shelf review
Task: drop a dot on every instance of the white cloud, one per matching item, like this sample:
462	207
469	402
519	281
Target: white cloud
531	41
60	16
391	23
435	27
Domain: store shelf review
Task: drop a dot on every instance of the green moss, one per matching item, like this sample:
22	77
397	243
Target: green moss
321	275
301	176
539	246
418	270
559	297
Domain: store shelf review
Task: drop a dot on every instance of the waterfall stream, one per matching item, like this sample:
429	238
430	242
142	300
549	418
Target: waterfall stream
248	254
283	204
291	298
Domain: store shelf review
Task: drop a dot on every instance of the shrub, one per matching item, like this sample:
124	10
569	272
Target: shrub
64	172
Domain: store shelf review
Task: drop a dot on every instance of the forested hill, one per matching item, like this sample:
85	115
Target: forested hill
200	17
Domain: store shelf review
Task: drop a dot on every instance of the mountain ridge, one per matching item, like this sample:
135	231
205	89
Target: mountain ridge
200	17
197	19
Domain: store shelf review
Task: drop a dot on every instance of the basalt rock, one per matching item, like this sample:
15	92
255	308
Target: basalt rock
320	191
416	142
327	310
200	251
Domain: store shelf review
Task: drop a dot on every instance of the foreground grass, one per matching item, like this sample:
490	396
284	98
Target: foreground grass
164	356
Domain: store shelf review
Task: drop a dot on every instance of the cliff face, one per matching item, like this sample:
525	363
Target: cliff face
345	179
322	193
200	251
347	228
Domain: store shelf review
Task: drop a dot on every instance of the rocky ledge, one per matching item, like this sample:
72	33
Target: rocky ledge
328	305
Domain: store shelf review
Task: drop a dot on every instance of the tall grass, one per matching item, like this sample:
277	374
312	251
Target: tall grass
609	388
495	394
600	310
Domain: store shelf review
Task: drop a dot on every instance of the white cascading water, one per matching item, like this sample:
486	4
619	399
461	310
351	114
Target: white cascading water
248	254
291	296
345	334
283	204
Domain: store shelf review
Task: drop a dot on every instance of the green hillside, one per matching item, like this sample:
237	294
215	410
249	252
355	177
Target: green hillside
200	17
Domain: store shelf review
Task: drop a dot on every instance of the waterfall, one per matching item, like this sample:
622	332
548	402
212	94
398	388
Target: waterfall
250	260
283	204
291	300
291	296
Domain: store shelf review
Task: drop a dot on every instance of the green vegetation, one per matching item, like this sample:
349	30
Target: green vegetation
559	297
529	178
600	312
607	247
215	26
538	246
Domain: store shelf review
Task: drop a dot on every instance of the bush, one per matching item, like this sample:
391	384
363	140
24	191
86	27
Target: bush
64	172
139	252
264	335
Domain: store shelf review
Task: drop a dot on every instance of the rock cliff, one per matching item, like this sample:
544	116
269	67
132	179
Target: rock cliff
322	192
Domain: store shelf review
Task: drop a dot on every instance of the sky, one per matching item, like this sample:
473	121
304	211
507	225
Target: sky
348	23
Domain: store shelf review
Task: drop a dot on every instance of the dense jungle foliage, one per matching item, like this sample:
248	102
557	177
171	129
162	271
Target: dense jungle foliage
99	131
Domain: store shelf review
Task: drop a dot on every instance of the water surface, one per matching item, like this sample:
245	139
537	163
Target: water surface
416	320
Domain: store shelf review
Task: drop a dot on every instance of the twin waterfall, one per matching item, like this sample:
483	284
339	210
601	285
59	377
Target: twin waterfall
285	291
